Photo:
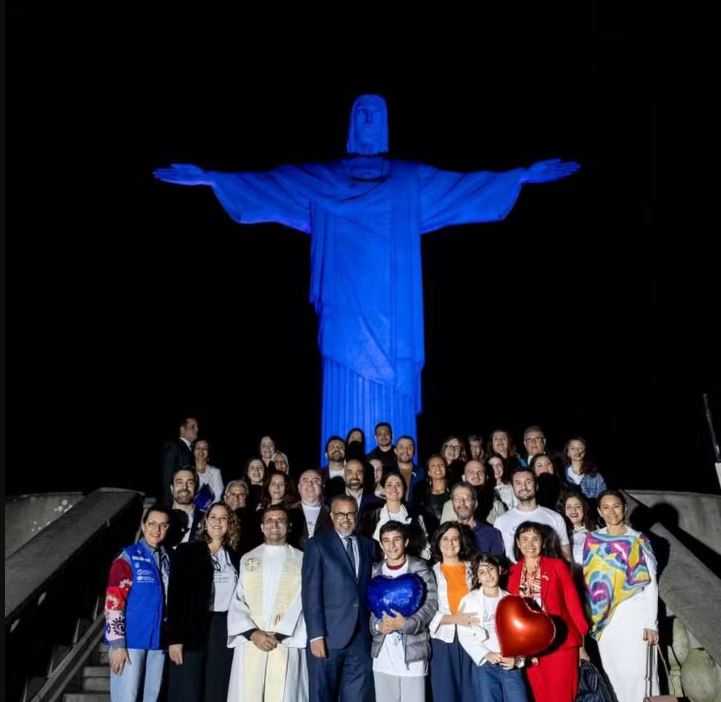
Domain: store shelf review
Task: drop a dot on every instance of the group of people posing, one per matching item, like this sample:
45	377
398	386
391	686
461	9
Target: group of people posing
262	594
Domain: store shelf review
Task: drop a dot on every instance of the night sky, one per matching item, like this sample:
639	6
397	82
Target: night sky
590	310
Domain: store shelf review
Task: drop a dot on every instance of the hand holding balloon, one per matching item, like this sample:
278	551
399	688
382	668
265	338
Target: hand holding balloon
390	624
522	631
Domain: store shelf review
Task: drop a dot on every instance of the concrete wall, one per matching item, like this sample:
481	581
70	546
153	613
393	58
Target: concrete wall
691	593
698	514
27	515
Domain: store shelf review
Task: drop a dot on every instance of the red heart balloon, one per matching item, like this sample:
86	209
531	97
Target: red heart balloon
522	631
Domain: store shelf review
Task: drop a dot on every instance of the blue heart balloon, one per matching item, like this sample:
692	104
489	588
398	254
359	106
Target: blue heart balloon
404	594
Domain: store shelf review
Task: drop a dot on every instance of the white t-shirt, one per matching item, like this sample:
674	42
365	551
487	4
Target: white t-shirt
508	522
579	538
336	472
573	477
391	658
311	513
490	604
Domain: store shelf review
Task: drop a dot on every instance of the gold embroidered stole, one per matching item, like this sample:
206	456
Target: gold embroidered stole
265	673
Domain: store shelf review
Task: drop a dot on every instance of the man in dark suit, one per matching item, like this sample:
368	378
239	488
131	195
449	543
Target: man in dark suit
336	571
357	474
177	454
185	519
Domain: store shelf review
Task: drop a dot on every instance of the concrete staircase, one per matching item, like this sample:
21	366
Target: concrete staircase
94	680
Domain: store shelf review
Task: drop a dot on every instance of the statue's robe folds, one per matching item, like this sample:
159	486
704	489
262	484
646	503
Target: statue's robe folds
365	217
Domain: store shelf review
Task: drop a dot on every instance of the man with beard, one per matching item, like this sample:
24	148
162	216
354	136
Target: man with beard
488	539
265	621
525	486
534	441
335	455
184	518
412	474
334	472
336	572
489	506
366	500
384	450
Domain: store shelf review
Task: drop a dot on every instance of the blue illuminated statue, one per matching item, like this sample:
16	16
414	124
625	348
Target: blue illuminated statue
365	215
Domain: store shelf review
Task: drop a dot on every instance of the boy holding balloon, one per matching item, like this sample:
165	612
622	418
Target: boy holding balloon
402	598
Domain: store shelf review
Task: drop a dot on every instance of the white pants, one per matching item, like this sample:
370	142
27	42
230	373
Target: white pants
623	651
396	688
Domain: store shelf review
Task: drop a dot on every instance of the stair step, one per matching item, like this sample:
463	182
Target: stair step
96	671
97	684
86	697
100	656
32	686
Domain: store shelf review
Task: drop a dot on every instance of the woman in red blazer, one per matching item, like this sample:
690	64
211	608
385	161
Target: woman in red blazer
548	581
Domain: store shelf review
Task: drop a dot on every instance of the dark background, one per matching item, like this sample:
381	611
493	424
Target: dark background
590	310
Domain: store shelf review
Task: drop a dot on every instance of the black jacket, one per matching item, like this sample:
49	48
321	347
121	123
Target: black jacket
190	588
174	455
298	532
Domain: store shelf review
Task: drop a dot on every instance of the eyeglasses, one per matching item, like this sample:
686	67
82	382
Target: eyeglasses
279	522
454	446
345	515
155	525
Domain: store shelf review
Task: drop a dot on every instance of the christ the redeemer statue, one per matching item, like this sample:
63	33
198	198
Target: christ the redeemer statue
365	215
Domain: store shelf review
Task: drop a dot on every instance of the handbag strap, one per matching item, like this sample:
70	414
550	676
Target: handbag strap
649	670
652	664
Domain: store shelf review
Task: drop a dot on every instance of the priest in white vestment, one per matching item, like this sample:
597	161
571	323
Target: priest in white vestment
265	620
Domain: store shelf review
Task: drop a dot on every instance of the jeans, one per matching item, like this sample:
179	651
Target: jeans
145	667
491	683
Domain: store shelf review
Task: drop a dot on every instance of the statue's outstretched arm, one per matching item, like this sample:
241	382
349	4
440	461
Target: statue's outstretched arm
184	174
546	171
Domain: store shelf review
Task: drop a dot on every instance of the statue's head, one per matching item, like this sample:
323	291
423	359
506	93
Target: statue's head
368	130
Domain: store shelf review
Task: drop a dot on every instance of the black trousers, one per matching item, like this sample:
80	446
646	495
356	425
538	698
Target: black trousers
204	675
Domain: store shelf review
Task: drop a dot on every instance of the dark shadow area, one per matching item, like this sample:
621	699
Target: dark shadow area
643	518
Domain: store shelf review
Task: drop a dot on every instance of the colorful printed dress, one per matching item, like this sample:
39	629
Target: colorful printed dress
620	575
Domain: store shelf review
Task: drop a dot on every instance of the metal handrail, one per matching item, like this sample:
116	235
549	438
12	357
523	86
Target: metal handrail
29	571
56	684
53	580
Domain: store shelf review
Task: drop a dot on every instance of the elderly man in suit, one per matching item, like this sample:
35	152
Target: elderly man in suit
336	571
